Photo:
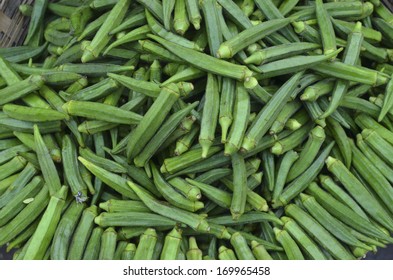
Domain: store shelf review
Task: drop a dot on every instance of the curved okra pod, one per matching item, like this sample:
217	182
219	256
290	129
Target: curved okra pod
171	195
113	180
152	120
287	161
193	220
308	154
301	183
320	234
302	239
162	134
268	114
46	228
251	35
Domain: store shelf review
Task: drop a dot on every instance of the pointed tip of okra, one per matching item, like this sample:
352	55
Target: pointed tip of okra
224	51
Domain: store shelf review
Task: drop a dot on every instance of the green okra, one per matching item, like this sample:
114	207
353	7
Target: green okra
310	150
108	244
241	114
46	228
251	35
302	182
171	195
193	220
64	231
102	37
321	235
289	245
82	233
151	121
267	115
147	242
336	191
162	134
308	245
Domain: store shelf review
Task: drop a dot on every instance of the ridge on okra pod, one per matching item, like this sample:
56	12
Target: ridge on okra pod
198	130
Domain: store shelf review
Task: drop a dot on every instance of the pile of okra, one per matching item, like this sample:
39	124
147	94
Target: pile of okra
198	130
